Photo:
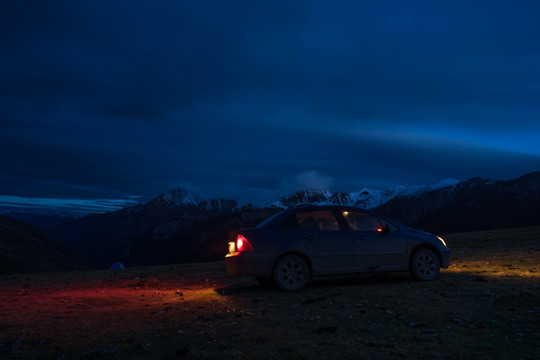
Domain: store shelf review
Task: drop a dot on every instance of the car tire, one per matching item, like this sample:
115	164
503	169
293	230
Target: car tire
291	273
424	265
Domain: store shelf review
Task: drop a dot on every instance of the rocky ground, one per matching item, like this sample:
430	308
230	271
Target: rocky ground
486	306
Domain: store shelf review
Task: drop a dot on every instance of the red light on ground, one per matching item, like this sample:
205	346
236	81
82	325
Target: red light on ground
242	244
379	230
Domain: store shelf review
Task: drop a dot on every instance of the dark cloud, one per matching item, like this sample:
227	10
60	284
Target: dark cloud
137	97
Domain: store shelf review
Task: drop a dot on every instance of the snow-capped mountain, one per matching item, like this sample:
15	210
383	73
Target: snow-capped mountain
366	198
178	199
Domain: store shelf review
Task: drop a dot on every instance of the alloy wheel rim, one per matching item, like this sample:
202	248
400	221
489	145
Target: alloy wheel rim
425	265
292	273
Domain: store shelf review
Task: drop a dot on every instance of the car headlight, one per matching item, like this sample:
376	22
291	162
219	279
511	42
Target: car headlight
442	240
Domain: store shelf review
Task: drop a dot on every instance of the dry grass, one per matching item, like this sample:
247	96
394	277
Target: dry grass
486	306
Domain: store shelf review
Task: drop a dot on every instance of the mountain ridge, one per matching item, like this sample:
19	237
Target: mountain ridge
179	227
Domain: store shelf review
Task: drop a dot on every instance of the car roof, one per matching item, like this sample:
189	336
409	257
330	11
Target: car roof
278	217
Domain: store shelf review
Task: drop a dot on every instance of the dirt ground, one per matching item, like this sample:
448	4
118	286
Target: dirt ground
485	306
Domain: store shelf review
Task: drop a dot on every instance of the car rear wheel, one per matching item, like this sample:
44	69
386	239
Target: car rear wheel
291	273
425	265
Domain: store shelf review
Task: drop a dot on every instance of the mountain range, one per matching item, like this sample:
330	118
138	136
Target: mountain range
180	227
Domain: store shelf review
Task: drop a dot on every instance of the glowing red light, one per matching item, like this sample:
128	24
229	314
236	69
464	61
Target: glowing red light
242	244
379	230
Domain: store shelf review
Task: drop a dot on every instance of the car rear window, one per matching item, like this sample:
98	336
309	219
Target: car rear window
267	221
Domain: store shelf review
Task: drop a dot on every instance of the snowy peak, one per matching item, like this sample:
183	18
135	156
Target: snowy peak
304	197
218	204
372	198
366	198
176	198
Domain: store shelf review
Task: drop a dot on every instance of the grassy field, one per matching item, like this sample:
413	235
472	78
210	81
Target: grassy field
485	306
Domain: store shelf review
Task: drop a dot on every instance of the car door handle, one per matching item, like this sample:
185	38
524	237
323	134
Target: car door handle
360	238
309	237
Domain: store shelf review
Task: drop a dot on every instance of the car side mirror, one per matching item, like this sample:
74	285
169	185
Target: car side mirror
385	229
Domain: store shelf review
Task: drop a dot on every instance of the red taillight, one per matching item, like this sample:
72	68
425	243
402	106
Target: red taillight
242	244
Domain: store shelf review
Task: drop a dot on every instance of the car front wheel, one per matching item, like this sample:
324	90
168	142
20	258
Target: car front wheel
425	265
291	273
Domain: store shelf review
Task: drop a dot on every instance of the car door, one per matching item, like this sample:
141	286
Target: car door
376	247
325	240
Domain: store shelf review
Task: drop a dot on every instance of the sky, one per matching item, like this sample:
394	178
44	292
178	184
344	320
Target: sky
114	102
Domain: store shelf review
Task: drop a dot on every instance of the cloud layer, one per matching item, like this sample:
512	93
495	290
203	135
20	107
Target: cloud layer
114	99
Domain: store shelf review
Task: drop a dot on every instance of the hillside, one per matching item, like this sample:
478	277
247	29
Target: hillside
24	249
472	205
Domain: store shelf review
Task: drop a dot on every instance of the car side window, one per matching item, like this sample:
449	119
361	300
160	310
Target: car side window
391	227
320	220
361	222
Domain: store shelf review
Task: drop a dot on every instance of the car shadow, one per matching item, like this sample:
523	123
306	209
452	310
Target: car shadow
252	288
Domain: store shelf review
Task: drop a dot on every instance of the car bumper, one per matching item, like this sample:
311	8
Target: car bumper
248	263
445	257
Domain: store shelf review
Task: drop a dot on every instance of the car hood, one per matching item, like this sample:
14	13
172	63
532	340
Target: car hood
415	233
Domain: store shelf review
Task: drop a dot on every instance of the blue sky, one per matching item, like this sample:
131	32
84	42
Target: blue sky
120	100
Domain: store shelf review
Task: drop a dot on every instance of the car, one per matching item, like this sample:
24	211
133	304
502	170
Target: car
293	246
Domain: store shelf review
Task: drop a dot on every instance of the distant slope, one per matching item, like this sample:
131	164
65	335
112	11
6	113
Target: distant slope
412	209
472	205
24	249
505	204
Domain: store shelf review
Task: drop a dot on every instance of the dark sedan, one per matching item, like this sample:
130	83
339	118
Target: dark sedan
295	245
